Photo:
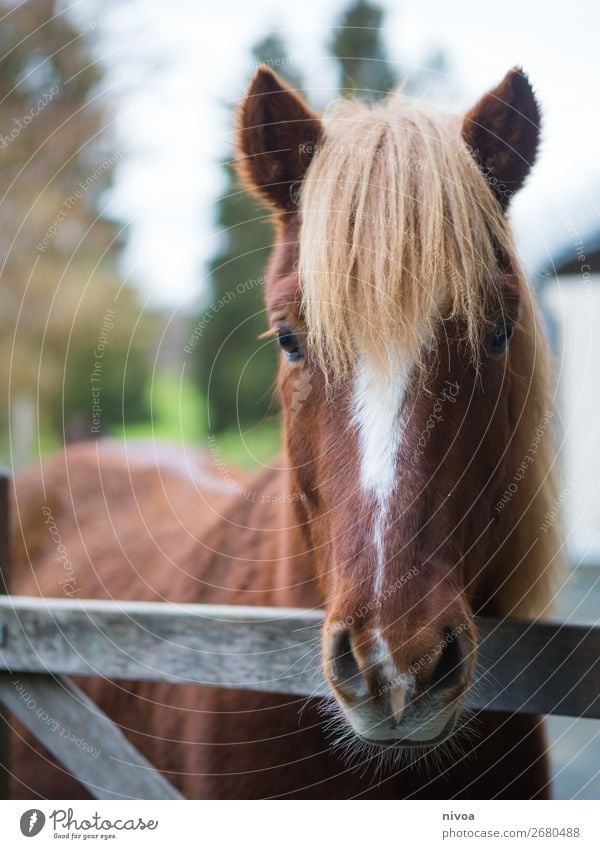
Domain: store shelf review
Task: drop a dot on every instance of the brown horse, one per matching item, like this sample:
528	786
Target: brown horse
414	383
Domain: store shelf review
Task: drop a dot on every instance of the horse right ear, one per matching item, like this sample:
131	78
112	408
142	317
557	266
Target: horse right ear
277	137
502	131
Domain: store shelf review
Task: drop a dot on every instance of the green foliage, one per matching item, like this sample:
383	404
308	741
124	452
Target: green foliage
251	448
59	276
236	369
358	45
106	361
176	407
177	413
365	68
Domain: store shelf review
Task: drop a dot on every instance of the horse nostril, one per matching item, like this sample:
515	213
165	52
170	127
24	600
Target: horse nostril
344	668
449	670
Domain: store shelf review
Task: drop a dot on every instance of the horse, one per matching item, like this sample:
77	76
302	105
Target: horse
418	466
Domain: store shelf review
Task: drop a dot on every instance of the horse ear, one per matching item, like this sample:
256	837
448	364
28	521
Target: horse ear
502	130
277	138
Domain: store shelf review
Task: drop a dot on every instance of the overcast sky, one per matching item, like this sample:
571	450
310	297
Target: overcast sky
177	66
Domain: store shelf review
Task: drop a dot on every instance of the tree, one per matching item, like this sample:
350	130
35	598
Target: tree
364	66
59	260
236	369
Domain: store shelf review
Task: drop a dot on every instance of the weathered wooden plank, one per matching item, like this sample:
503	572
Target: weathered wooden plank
4	588
543	667
526	667
256	648
82	738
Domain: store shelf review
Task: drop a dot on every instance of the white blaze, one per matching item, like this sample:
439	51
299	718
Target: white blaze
377	414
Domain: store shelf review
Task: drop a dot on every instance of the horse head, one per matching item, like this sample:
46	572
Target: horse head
413	379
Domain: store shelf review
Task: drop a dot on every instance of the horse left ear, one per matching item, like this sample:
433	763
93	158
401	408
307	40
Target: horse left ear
277	138
502	130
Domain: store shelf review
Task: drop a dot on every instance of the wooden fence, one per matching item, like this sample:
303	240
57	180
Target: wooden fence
547	668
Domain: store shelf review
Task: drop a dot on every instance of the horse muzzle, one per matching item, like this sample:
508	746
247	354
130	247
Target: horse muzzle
389	701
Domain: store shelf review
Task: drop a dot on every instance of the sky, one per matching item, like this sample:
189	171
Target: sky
174	70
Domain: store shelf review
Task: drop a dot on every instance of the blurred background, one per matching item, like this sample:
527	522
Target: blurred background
132	261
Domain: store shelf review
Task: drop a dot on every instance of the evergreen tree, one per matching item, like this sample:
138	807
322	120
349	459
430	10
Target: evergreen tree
237	369
365	69
357	44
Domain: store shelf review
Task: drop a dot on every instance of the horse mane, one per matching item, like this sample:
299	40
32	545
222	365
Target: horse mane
398	228
531	558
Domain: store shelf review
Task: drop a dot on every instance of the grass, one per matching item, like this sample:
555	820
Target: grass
178	414
251	448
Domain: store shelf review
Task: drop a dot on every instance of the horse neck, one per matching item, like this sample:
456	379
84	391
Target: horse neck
260	537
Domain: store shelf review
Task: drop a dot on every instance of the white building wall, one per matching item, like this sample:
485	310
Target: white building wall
574	304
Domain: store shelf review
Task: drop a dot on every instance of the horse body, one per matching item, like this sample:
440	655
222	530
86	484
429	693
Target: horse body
414	383
211	743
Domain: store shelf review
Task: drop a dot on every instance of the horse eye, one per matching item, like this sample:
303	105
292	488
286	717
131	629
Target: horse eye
497	341
288	341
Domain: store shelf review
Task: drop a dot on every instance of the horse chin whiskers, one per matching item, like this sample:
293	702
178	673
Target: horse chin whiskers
359	753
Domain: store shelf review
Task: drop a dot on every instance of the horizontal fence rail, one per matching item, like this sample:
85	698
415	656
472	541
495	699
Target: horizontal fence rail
529	667
267	649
